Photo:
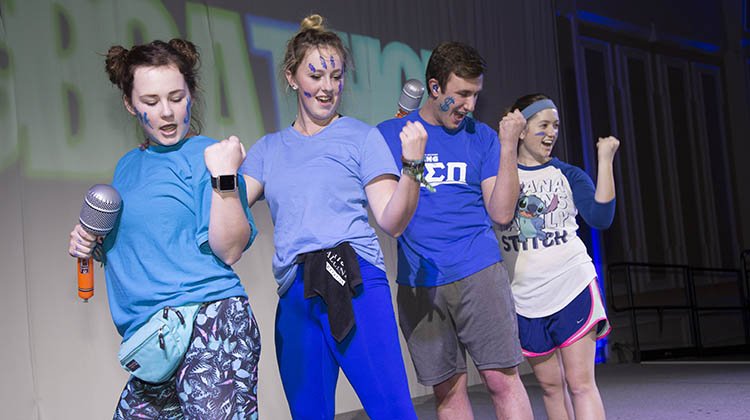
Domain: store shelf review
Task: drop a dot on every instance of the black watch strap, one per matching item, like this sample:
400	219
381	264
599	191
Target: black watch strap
224	183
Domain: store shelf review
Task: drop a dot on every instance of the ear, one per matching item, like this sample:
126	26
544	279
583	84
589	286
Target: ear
523	134
290	78
434	87
129	106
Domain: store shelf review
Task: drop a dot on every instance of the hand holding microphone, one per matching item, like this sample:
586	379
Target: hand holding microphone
99	212
411	97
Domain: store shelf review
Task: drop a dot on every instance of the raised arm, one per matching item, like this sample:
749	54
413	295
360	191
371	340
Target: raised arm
228	229
393	202
606	148
501	192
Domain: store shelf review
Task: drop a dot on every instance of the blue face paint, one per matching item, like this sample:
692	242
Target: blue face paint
307	94
333	62
540	134
323	62
188	109
188	113
446	105
341	86
143	118
311	67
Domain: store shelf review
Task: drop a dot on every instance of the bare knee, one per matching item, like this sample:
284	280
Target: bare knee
452	399
450	389
551	388
580	383
501	381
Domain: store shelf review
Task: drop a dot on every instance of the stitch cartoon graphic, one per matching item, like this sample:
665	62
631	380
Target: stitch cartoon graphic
530	216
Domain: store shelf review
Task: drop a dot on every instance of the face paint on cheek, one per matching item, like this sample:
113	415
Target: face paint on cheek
307	94
188	113
540	134
188	110
323	62
446	105
311	67
143	118
341	86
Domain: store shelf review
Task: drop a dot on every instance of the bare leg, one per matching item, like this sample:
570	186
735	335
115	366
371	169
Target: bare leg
578	360
566	393
452	399
508	394
548	371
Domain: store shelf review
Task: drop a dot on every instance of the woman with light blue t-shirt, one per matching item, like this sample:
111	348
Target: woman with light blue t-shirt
171	249
320	175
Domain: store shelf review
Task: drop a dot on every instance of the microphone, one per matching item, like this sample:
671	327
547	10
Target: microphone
98	216
411	97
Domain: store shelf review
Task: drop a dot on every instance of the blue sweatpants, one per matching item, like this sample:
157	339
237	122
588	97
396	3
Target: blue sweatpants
309	357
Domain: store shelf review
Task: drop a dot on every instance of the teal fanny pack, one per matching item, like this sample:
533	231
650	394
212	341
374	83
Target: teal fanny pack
155	351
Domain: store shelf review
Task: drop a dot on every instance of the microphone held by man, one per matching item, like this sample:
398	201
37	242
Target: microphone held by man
98	216
411	97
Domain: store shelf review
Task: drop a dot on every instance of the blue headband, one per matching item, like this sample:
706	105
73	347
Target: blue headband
537	106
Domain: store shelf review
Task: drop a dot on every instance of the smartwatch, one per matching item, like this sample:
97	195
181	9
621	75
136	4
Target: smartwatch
224	183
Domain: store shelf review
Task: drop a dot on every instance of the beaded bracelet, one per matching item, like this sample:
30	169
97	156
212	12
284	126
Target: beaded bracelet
415	170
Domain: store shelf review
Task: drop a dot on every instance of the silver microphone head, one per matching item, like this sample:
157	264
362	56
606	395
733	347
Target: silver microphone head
99	210
411	95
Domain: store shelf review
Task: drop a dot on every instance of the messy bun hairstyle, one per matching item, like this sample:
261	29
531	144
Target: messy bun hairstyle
312	34
121	63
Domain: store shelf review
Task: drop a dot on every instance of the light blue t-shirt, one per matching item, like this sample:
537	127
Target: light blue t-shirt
158	253
315	190
450	236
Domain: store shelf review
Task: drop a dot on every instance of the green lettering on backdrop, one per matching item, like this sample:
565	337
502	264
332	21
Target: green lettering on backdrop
269	37
232	103
59	111
377	85
399	59
73	116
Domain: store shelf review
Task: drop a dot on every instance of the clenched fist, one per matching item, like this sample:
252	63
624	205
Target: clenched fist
606	148
510	129
413	140
224	157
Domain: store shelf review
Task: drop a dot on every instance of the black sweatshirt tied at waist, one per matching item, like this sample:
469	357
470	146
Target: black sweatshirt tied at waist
333	274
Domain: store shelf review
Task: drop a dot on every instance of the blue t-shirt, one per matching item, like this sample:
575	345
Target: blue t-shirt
158	253
450	236
315	190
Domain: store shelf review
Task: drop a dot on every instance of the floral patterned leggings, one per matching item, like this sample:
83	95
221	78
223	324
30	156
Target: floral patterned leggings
218	378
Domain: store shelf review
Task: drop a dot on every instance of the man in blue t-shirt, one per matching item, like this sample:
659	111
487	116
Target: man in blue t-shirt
454	294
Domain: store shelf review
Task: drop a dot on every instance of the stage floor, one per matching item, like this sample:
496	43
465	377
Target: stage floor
663	390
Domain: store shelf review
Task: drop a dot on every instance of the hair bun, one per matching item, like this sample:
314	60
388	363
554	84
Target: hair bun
313	22
187	49
115	65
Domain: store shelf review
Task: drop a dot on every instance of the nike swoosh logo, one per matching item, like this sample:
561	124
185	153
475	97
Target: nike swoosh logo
579	321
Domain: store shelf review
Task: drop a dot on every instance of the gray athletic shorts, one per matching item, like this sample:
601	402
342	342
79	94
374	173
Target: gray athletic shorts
476	313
